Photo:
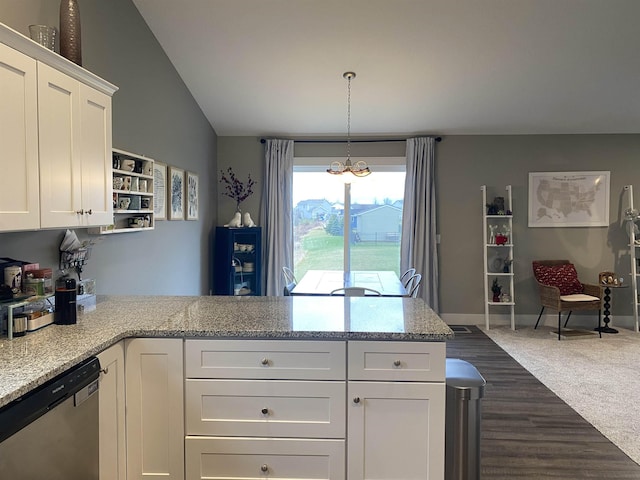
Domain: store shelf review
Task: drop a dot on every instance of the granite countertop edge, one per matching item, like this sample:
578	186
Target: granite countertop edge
30	361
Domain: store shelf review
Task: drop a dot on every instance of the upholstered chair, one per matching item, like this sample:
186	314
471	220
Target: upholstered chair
561	290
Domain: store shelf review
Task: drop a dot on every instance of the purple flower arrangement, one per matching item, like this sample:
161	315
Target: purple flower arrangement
234	188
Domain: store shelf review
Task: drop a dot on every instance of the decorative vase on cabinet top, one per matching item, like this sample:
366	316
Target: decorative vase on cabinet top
70	38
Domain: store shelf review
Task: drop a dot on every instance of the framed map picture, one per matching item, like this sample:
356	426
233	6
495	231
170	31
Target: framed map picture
176	193
569	199
159	191
192	196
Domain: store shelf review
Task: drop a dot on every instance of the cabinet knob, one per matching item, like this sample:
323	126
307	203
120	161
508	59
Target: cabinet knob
265	411
265	361
264	468
90	211
397	363
80	212
356	399
105	370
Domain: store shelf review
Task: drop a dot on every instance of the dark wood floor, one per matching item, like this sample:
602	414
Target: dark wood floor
528	432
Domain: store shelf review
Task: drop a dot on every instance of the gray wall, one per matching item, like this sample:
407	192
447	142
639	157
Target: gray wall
464	163
153	114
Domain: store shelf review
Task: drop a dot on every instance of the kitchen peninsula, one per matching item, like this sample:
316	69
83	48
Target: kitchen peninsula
320	368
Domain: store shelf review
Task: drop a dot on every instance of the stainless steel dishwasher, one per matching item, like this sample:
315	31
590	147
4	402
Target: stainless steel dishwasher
52	432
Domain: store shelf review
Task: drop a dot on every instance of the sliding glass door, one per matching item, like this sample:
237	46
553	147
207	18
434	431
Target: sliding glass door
373	223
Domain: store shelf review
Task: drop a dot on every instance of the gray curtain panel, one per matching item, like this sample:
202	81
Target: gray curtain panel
419	249
277	211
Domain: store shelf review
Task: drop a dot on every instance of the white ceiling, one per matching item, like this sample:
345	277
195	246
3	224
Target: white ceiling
274	67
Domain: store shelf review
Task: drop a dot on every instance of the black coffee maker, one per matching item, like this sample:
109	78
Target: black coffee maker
66	296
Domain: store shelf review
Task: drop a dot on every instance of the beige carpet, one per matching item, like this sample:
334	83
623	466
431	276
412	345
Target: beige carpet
598	378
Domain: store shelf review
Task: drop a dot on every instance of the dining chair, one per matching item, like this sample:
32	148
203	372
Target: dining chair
288	275
355	291
410	282
289	281
414	285
288	288
404	278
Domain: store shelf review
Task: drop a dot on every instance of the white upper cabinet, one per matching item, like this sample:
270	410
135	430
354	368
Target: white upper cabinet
74	124
59	131
55	128
97	198
19	196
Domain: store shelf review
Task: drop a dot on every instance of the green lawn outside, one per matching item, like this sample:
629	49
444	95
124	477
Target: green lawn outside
324	252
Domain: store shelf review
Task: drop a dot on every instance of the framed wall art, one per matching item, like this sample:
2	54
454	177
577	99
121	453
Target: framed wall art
192	196
159	191
569	199
176	193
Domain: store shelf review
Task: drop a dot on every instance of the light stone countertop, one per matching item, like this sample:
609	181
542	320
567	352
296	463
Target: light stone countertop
29	361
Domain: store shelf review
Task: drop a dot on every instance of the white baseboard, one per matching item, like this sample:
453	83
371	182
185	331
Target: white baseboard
526	321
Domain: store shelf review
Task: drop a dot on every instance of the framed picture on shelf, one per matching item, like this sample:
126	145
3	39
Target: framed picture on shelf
192	196
159	191
176	193
569	199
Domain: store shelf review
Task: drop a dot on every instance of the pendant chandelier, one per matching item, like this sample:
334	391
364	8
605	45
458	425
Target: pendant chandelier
360	168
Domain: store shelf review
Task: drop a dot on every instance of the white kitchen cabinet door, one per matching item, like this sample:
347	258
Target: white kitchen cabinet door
113	453
19	188
396	430
155	408
74	122
59	132
97	185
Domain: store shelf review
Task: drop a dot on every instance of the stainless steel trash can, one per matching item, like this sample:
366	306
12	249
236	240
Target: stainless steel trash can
465	390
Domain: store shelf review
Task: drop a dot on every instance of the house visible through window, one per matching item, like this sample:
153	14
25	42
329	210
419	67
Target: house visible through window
375	219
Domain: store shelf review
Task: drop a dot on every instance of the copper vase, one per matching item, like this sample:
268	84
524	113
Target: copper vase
70	39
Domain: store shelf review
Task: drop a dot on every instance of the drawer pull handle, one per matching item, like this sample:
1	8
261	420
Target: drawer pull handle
356	399
265	361
264	468
397	363
265	411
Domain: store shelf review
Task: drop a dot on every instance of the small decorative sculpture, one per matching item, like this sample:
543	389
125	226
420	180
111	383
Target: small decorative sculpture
492	209
507	263
492	235
247	220
496	289
236	221
501	239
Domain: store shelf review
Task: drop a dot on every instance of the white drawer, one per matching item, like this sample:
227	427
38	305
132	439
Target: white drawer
252	458
266	359
397	361
266	408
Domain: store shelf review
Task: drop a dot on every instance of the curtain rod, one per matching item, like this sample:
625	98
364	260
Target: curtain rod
379	140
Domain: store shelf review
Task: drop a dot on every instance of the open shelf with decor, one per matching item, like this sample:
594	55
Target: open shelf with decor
497	239
132	194
633	217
